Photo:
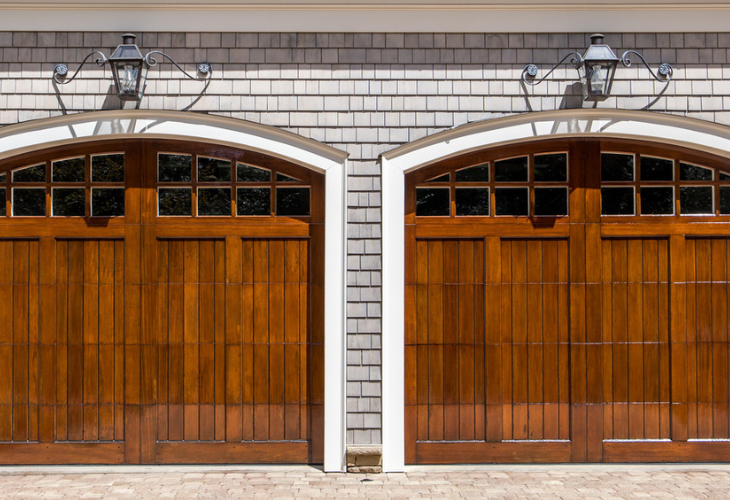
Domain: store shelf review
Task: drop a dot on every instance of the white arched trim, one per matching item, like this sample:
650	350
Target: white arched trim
144	124
641	125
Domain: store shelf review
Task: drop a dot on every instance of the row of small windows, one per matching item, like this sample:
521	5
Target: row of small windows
654	188
508	181
262	189
256	192
178	168
494	188
109	202
290	201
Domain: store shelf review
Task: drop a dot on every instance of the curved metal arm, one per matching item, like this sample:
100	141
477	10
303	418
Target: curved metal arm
530	71
665	69
203	68
61	70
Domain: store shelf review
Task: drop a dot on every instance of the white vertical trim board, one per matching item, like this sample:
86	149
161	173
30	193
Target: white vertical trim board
335	277
101	125
393	283
642	125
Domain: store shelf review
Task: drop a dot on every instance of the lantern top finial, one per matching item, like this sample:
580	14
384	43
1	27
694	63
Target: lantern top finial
128	38
597	38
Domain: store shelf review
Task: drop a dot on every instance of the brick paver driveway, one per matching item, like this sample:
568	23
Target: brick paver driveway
514	482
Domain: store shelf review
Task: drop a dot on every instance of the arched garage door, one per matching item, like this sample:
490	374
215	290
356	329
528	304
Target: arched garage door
160	302
568	300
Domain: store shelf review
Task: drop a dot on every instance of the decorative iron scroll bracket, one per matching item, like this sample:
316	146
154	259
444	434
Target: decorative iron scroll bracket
203	68
530	71
665	69
61	70
664	73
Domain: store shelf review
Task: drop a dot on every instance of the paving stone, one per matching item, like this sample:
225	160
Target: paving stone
495	482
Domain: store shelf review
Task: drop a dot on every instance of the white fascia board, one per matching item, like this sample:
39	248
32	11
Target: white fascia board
478	16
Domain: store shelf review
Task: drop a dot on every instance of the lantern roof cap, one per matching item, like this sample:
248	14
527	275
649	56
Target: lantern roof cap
598	51
128	50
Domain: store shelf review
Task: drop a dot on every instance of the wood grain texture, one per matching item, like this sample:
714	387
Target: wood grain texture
605	338
143	339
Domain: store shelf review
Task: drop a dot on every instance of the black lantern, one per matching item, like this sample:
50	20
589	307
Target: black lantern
129	69
596	69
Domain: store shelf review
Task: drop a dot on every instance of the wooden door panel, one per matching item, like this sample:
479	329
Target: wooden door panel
636	339
233	350
707	338
64	351
497	389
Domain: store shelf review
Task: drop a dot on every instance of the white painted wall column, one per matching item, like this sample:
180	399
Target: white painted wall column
393	353
335	276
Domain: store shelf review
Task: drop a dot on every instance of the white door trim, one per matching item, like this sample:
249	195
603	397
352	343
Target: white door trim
642	125
102	125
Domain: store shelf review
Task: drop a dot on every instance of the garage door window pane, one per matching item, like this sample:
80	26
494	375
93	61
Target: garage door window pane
689	172
433	202
551	201
175	201
472	201
107	168
214	201
551	168
68	202
511	170
511	201
285	178
249	173
657	201
175	168
617	167
213	170
3	202
725	200
107	202
292	202
36	173
656	169
617	201
70	170
696	200
29	202
480	173
441	178
253	201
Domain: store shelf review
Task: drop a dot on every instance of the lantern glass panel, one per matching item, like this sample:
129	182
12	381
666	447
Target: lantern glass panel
131	77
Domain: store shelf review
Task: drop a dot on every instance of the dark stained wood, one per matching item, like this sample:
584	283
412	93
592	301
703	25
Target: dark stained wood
136	339
605	338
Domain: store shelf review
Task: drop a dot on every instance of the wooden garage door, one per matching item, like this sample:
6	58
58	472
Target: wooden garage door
159	305
567	301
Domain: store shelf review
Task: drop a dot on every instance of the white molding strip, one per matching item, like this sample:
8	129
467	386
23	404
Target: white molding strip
393	317
478	16
642	125
102	125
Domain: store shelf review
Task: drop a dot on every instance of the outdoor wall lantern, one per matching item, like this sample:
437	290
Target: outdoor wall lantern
129	68
596	69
